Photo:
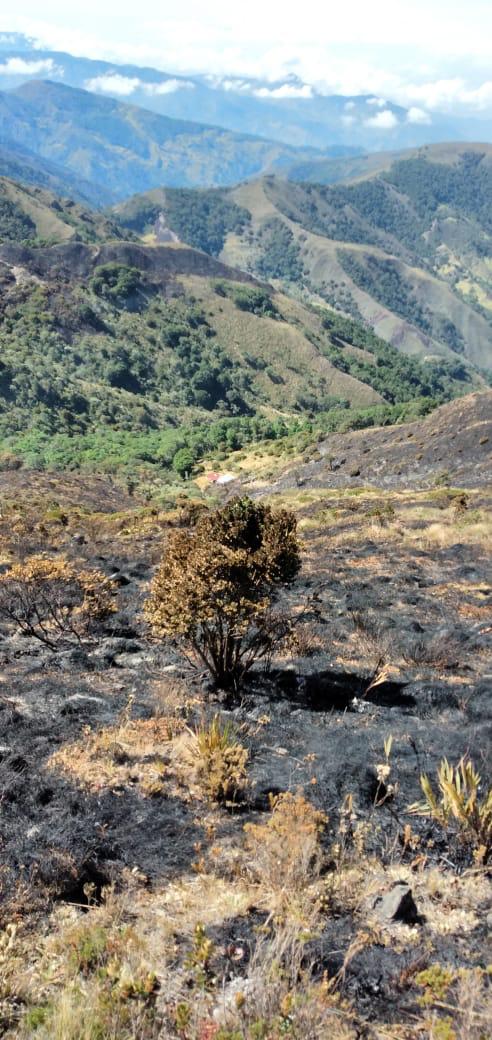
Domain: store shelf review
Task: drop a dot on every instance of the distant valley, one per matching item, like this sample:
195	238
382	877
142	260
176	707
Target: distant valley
185	317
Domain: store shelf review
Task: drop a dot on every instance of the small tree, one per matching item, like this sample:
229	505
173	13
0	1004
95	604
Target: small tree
183	462
217	583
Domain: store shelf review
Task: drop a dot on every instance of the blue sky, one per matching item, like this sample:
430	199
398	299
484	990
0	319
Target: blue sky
434	55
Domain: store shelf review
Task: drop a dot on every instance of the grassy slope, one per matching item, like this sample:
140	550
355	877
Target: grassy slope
410	221
323	268
433	285
296	362
55	219
350	168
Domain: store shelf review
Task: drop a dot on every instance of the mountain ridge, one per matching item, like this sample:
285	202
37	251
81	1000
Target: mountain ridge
107	341
289	110
407	249
125	148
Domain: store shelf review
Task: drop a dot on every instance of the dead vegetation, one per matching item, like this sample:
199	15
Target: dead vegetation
214	591
215	900
53	602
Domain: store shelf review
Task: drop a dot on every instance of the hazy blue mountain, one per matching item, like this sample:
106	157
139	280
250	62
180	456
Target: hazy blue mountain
124	149
287	111
24	166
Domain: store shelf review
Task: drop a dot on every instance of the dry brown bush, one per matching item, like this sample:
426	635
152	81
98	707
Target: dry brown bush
50	600
286	855
215	588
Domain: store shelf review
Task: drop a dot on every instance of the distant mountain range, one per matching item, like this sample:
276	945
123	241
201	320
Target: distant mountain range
20	164
405	248
288	111
113	149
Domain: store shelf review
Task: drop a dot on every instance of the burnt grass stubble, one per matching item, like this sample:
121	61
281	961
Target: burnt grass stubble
56	838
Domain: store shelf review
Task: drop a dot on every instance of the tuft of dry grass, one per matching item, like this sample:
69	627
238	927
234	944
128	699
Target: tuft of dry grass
133	750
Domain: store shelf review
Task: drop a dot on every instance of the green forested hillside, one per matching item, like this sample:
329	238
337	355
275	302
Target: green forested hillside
122	351
202	218
407	250
35	216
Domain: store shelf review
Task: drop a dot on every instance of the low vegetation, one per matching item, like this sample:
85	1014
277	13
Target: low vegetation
207	866
52	601
459	802
221	762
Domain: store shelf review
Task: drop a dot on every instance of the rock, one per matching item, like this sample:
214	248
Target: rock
118	578
83	698
79	538
397	905
233	996
133	660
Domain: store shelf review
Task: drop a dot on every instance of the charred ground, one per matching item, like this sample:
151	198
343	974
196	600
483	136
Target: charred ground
100	788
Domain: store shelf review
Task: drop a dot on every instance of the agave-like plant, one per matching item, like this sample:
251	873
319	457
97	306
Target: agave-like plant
221	761
458	799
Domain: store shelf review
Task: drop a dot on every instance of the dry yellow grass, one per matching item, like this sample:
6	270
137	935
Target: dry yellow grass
133	752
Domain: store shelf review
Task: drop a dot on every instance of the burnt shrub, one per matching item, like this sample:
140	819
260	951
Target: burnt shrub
215	589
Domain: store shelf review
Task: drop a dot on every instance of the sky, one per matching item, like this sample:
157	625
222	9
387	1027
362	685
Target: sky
432	55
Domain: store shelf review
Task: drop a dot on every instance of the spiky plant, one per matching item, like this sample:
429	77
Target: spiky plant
458	799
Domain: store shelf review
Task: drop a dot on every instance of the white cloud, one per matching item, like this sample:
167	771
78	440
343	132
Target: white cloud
234	86
168	86
21	67
446	95
348	120
287	90
427	55
125	86
242	86
376	101
418	116
384	120
349	105
112	83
